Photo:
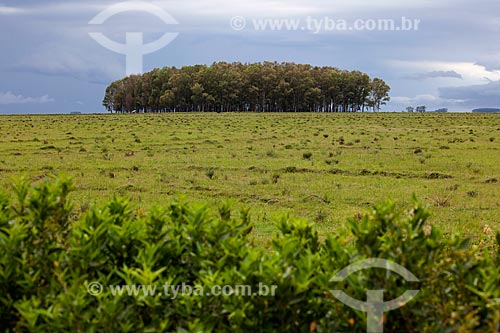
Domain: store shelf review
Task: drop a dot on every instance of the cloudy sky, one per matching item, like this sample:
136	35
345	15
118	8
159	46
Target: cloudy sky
50	63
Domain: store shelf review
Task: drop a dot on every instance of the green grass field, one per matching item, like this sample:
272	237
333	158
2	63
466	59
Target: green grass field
325	167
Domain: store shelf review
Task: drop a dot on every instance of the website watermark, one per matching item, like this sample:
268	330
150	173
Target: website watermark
317	25
175	291
134	47
375	306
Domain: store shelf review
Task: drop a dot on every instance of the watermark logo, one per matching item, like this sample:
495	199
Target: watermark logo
375	307
238	23
134	48
95	288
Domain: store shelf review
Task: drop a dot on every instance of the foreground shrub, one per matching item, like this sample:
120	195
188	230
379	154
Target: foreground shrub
50	265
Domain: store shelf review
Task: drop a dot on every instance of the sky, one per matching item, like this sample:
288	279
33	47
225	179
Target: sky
49	62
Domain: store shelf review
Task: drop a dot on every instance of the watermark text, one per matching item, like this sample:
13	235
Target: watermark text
175	291
325	24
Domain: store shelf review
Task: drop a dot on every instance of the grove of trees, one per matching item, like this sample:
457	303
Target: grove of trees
259	87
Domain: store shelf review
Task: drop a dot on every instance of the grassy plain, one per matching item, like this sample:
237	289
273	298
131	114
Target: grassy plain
325	167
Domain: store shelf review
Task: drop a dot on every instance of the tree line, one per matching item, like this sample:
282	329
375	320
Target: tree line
258	87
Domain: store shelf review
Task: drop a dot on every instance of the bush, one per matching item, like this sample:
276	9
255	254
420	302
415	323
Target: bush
48	262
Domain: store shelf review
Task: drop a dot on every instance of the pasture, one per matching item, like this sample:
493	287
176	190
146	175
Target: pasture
323	167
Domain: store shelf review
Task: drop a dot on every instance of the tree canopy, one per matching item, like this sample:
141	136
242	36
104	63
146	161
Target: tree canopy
259	87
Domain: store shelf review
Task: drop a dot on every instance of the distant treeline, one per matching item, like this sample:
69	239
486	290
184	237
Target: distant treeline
486	110
260	87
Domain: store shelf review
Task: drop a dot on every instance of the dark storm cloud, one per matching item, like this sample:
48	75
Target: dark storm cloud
47	47
483	95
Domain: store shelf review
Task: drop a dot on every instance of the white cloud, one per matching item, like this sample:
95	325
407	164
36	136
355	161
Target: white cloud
52	8
4	10
472	73
219	8
478	87
413	100
9	98
425	99
435	75
189	7
210	8
284	8
491	61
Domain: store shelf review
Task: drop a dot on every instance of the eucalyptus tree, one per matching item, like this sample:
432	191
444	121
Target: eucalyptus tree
260	87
